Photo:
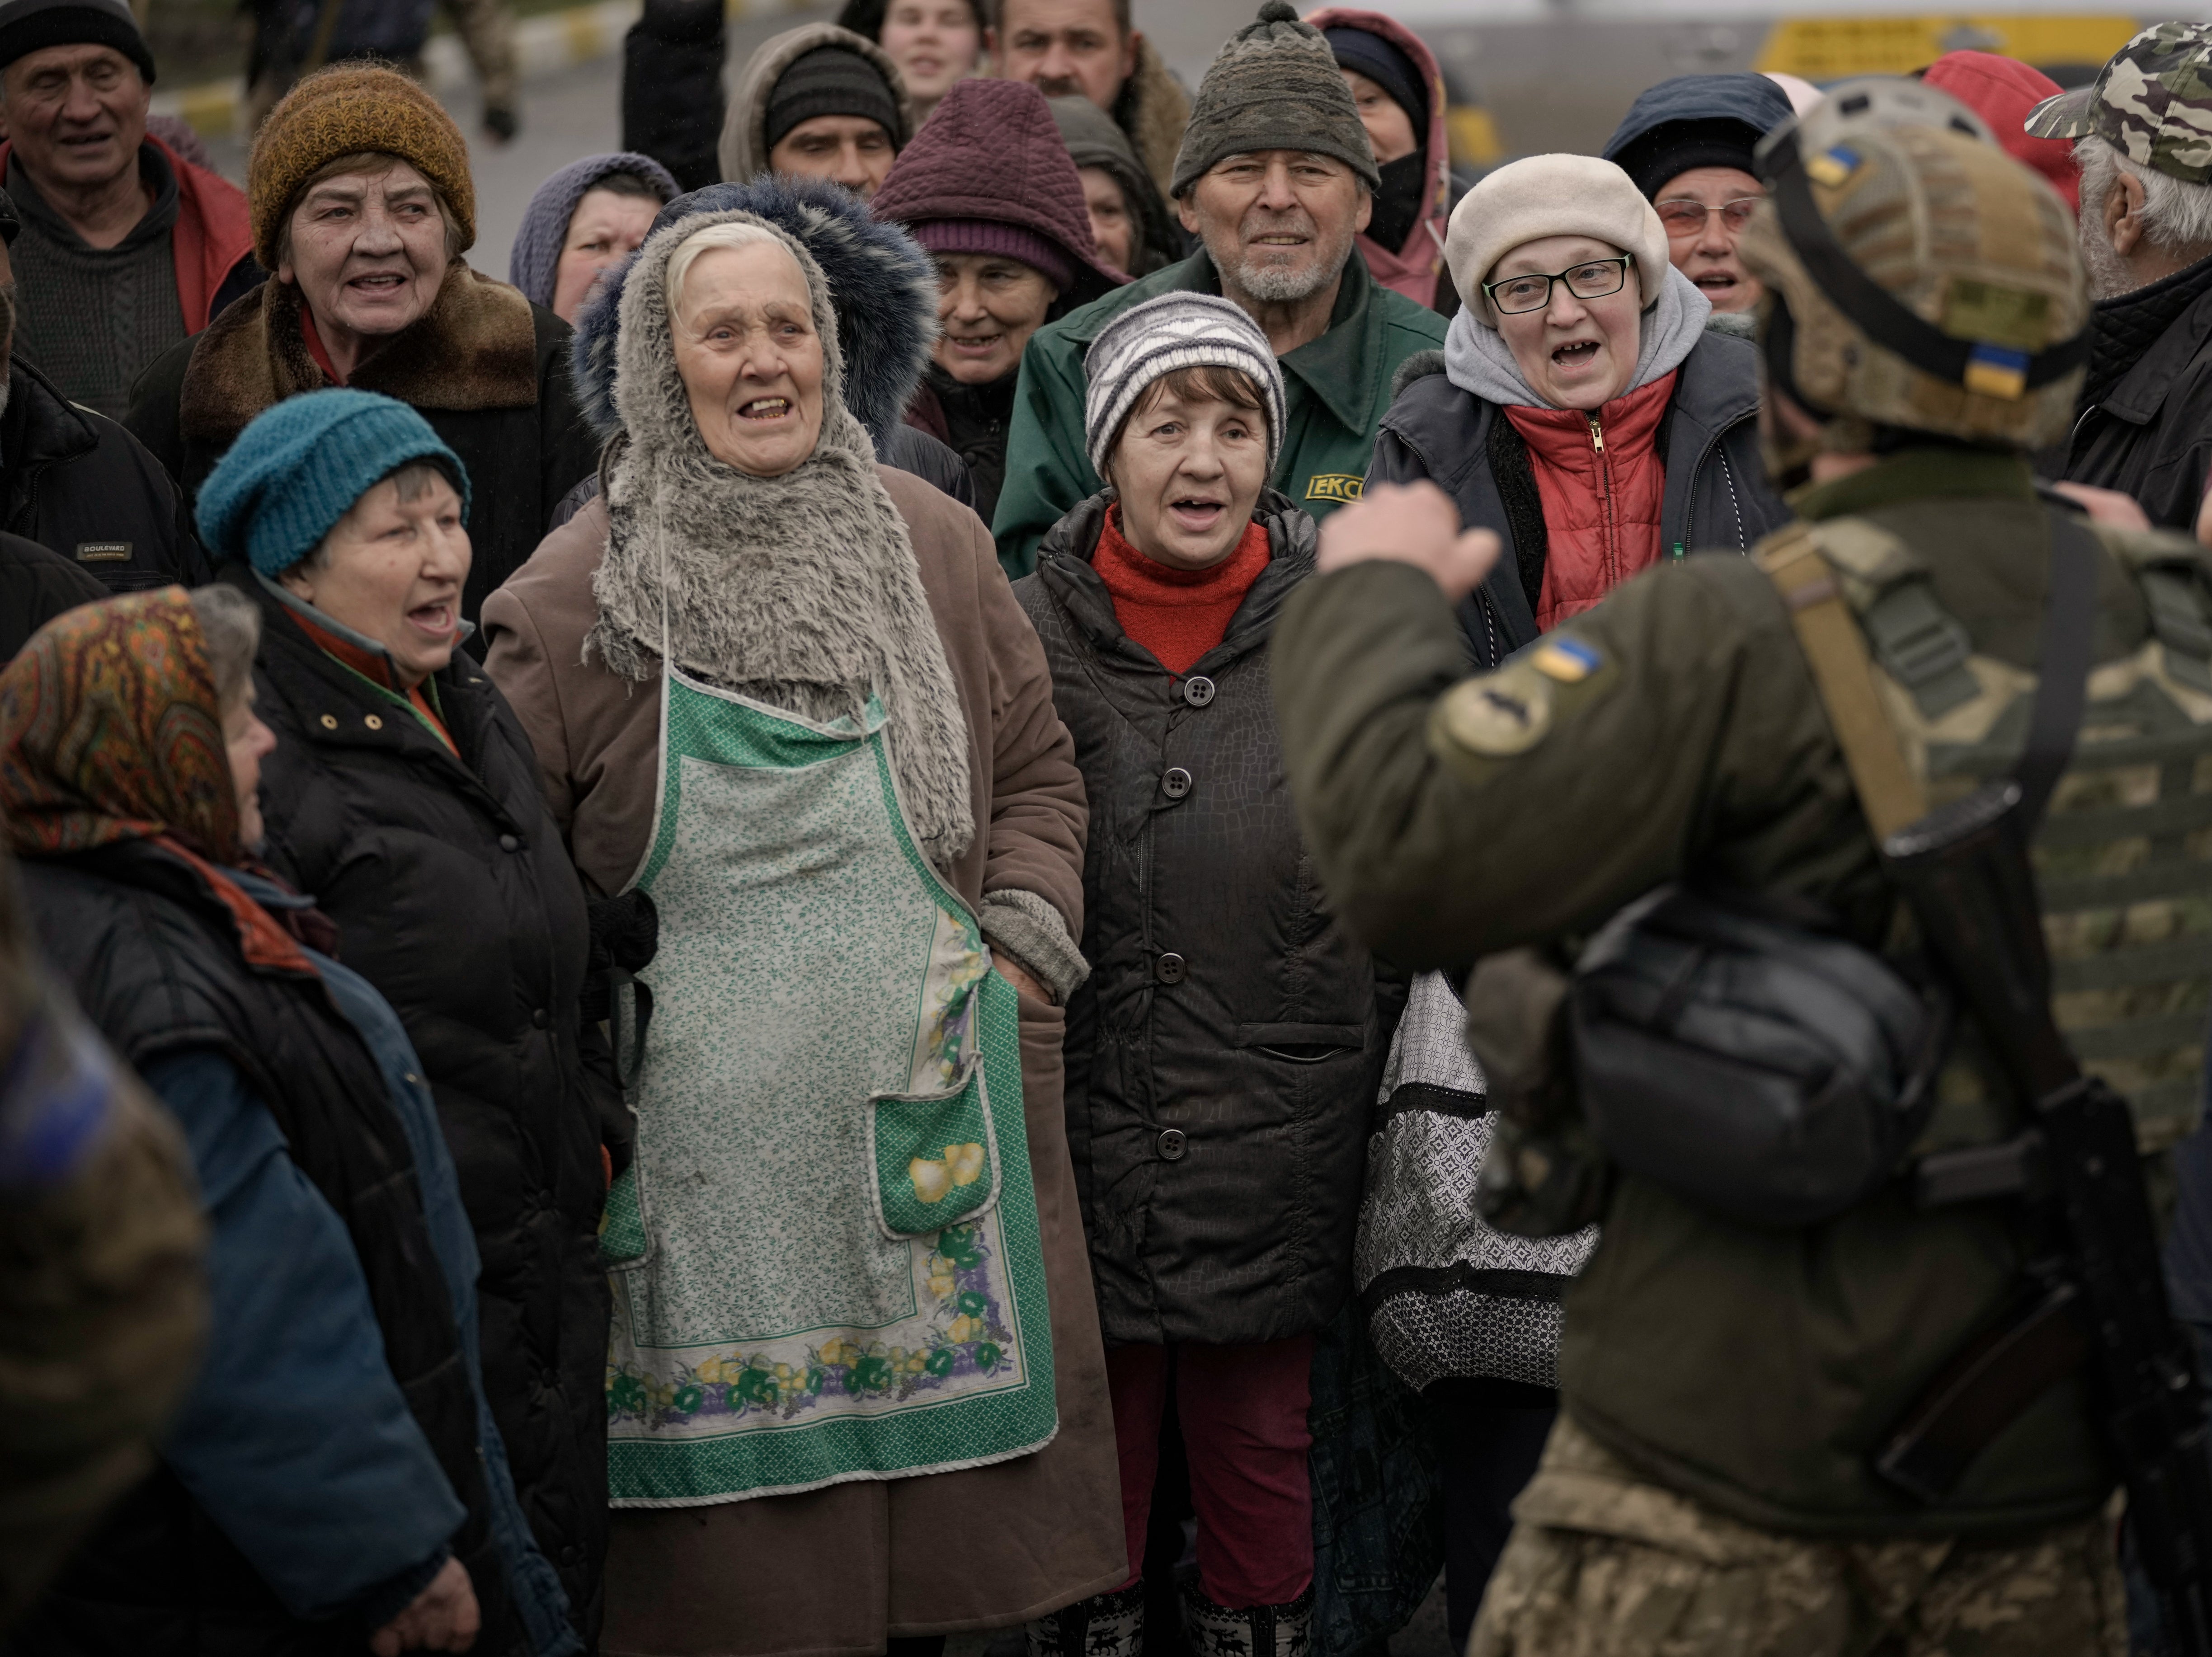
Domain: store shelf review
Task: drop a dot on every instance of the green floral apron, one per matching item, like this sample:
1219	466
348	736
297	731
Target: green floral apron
826	1257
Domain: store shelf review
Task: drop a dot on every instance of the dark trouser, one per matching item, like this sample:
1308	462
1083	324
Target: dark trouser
1491	1434
1243	1415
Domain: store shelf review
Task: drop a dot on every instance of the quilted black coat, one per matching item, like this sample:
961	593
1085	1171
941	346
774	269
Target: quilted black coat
454	897
2144	424
1223	1058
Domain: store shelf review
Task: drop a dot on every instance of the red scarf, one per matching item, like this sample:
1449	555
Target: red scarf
1177	614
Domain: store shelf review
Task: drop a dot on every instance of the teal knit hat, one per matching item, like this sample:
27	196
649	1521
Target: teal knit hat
300	467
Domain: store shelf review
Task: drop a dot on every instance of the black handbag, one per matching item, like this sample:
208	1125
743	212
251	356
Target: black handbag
1762	1067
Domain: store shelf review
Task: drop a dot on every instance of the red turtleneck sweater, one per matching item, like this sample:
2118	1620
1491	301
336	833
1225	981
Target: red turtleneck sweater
1177	614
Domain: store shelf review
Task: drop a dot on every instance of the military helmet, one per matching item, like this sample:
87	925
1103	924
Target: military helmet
1881	101
1917	277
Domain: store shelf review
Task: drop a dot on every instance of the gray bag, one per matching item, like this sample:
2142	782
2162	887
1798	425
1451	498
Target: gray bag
1443	1293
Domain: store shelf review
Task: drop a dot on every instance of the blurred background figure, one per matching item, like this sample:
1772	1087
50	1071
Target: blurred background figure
126	247
293	38
1129	223
933	42
988	189
1400	90
2004	91
817	102
1090	47
1687	144
672	88
586	218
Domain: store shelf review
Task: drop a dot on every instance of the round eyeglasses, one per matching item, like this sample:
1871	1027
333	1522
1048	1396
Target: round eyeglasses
1593	279
1683	218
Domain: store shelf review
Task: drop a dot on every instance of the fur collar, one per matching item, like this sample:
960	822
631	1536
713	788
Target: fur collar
1153	110
475	347
802	591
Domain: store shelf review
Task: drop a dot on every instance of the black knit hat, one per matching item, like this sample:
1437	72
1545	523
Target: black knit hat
1381	62
1274	86
1692	121
30	26
831	80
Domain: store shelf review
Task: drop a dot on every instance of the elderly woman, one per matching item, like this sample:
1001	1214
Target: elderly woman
934	43
1226	1083
988	190
1582	410
362	206
334	1477
582	222
405	796
855	1388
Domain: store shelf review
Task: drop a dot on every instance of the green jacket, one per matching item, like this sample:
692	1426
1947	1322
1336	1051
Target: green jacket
1338	387
1752	1369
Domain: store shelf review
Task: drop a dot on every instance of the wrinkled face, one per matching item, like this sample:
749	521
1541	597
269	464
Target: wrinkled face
1574	353
1189	473
848	150
1279	223
751	361
367	250
988	307
1704	211
933	42
247	742
392	570
1066	46
1110	227
1389	129
604	230
76	114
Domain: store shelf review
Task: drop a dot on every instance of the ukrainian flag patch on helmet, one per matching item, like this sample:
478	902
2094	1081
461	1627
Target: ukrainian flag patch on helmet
1997	371
1832	166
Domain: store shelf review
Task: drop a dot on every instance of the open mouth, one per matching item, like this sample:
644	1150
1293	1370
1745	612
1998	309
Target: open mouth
764	408
379	284
1578	355
437	620
1195	515
1716	282
974	345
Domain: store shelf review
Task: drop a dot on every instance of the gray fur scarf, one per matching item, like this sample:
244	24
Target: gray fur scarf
801	591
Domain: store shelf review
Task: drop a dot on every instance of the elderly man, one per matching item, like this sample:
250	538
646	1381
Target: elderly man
1087	47
817	102
1687	142
2145	423
126	247
1275	177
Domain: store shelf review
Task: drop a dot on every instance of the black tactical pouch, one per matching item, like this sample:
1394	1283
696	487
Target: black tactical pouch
1768	1070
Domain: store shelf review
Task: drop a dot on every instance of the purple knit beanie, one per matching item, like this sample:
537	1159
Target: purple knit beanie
534	264
988	172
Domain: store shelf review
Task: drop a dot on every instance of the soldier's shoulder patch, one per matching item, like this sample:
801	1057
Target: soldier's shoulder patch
1568	660
1334	486
1501	713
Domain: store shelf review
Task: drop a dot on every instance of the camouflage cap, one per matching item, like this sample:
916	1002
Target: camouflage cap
2153	103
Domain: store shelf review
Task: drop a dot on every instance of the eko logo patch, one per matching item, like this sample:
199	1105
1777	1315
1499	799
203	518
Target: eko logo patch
1333	486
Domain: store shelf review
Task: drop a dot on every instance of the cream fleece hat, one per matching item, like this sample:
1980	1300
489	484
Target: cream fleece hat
1541	196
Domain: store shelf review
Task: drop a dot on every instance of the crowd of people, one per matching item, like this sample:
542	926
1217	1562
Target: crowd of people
759	943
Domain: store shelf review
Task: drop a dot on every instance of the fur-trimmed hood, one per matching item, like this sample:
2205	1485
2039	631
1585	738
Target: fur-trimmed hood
882	289
475	347
743	151
1154	109
800	591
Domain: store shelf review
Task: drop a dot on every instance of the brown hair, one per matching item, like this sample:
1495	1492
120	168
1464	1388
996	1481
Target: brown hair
1208	382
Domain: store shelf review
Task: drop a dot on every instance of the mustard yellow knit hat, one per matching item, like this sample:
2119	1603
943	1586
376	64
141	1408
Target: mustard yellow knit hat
339	111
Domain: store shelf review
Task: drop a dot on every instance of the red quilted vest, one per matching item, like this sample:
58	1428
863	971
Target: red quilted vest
1601	483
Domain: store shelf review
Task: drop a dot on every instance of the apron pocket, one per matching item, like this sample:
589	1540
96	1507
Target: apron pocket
932	1157
623	1243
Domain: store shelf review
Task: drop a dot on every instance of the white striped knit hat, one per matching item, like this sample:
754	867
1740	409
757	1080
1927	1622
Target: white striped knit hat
1175	331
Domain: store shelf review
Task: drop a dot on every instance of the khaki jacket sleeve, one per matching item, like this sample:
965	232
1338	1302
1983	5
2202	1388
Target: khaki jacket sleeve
1452	820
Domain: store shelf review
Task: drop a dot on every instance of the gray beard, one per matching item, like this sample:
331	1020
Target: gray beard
1272	285
2109	277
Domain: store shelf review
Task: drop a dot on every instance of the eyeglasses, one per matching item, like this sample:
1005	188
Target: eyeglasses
1688	218
1593	279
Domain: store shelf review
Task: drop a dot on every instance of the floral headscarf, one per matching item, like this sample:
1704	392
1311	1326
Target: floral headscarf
110	731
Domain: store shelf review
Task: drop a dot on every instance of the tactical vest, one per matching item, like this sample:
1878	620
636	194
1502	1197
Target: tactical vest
2123	858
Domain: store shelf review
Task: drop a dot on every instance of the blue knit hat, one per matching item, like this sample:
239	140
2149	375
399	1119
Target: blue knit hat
300	467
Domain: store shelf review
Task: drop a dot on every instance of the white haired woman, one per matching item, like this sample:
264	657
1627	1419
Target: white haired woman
786	692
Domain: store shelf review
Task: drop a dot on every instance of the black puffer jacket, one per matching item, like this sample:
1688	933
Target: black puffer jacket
454	896
80	485
154	958
2145	423
1224	1055
37	584
1716	496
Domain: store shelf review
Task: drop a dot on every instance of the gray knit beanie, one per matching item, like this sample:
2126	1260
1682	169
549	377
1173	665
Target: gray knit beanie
1175	331
1274	86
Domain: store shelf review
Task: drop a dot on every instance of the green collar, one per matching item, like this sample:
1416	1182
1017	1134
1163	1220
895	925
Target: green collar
1340	369
1917	475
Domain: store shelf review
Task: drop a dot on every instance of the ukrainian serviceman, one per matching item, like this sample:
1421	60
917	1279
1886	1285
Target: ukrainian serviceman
1276	176
1733	1391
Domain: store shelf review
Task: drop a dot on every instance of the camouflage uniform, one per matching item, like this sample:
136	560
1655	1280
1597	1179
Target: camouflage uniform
1710	1488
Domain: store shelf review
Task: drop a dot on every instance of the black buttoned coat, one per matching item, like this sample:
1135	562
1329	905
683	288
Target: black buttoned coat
1224	1056
454	897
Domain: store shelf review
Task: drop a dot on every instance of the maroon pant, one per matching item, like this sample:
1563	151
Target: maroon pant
1243	1415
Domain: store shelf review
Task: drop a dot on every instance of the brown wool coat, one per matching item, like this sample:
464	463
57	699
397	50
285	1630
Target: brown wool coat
833	1572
